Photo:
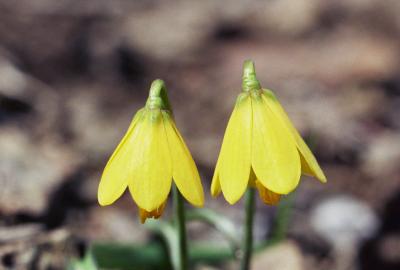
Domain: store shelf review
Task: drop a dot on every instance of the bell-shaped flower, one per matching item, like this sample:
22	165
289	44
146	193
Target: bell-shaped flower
261	148
150	155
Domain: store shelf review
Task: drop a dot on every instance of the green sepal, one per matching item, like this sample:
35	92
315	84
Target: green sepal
249	79
158	97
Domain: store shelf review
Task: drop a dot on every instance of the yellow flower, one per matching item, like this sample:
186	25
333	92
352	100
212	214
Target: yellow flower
261	148
149	156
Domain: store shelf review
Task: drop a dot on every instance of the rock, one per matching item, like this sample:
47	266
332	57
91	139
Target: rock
96	129
382	156
344	221
17	232
339	58
67	7
42	250
342	129
13	83
109	224
34	102
149	31
283	256
287	17
30	170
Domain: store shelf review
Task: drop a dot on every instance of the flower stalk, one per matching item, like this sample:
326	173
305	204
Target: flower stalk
247	247
182	260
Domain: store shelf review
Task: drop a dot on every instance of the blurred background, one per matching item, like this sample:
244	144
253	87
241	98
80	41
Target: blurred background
73	73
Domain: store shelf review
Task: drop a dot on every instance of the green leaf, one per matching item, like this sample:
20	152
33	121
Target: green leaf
154	255
87	263
218	221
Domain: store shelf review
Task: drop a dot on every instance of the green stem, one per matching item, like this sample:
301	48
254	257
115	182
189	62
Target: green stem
181	229
247	247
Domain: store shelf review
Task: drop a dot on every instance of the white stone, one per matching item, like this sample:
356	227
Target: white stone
344	221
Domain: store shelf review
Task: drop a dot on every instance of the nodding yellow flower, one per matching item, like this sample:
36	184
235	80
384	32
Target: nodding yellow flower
149	156
261	148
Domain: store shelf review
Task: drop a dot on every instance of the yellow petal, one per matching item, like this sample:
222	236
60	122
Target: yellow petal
235	155
309	164
184	170
215	185
275	158
116	174
267	196
151	163
143	214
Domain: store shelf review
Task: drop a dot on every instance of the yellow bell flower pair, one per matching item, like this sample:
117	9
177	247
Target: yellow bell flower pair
261	149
